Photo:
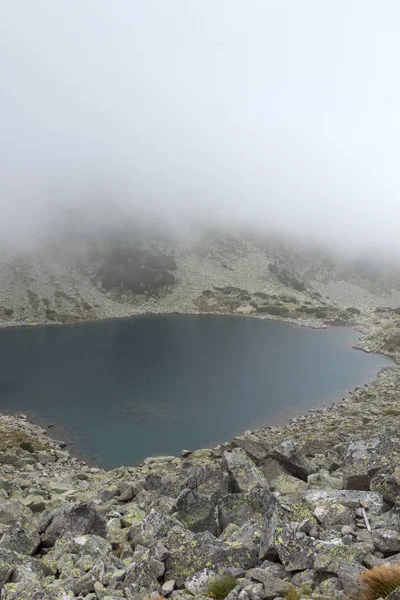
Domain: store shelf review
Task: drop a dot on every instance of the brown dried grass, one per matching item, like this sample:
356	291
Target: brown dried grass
379	582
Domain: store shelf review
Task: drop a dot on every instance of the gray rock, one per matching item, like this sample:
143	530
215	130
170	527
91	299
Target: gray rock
191	553
77	518
330	557
157	567
242	507
22	537
386	540
11	511
35	503
168	587
196	510
349	575
363	459
333	516
287	484
293	460
252	446
6	571
395	595
45	457
296	551
127	495
161	552
324	480
243	473
273	586
154	527
271	527
352	499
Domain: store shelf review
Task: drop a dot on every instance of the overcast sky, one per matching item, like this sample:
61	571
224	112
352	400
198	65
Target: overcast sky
282	112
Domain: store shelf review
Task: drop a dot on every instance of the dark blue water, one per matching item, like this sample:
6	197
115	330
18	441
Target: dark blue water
133	388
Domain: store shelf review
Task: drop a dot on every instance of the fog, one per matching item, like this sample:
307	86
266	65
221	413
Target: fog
275	113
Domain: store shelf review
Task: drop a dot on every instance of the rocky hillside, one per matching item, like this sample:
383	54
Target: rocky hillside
298	511
121	272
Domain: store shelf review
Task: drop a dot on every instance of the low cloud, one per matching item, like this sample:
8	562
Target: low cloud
274	114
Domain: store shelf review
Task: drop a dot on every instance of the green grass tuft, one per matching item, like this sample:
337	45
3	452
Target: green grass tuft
219	587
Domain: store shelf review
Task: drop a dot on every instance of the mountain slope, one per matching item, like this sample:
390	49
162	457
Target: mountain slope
118	274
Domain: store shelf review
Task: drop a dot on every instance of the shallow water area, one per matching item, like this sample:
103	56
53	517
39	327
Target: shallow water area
131	388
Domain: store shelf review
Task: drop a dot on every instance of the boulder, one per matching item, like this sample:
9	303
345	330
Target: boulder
161	552
243	473
330	557
191	553
76	518
11	511
363	459
22	537
196	510
243	507
349	577
252	446
386	540
153	528
293	460
350	498
273	586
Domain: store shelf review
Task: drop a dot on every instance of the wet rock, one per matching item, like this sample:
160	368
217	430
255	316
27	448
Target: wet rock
77	518
293	460
243	473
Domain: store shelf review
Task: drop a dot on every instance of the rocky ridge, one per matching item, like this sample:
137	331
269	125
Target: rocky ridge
124	273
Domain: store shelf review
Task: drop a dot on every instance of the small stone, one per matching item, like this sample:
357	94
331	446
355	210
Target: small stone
160	552
168	587
185	454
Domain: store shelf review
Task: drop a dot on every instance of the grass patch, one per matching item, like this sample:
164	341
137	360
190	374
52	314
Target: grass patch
293	594
11	439
379	582
219	587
